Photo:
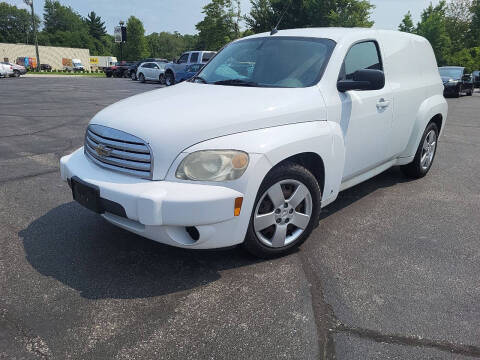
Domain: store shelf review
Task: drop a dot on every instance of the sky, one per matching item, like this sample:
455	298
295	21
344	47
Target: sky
182	15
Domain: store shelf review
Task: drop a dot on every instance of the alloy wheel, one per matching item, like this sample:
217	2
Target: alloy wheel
428	149
283	213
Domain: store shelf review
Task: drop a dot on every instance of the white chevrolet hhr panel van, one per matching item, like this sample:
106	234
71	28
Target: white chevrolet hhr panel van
268	133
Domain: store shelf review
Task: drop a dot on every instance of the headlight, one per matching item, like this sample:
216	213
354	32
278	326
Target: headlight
213	165
452	81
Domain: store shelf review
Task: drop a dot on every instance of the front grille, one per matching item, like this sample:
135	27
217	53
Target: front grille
116	150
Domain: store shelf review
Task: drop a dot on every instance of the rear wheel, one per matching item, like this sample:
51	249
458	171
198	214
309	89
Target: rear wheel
470	92
425	154
161	79
133	76
141	77
286	211
16	73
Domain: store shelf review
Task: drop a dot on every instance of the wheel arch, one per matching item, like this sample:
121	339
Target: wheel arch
433	109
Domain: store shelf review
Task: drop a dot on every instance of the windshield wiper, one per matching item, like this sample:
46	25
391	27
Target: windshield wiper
199	78
236	82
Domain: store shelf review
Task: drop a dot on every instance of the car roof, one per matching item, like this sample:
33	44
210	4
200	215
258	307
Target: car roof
336	34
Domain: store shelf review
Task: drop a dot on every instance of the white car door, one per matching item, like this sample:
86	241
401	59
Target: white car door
155	71
366	114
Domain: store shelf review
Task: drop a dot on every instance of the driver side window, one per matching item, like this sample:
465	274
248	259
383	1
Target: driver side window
183	59
361	56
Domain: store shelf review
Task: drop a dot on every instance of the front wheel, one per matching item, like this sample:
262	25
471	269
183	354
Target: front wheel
161	79
133	76
286	211
470	93
169	79
425	154
16	73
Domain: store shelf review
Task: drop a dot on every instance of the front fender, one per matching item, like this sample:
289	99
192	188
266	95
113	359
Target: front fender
281	142
428	109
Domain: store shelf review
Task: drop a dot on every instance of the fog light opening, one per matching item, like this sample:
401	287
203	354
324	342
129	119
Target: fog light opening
193	232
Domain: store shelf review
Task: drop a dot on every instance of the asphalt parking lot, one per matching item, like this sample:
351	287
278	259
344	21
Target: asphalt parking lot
392	272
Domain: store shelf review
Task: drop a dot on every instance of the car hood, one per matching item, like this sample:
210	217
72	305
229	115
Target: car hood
445	79
173	119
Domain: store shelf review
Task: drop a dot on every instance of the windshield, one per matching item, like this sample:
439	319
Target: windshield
270	62
454	73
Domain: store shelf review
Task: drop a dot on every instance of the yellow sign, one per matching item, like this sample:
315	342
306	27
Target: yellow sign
94	61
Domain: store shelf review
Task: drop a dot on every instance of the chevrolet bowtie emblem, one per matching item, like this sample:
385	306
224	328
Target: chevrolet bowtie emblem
102	150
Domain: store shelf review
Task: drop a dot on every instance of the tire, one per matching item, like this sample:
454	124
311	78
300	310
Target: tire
283	217
133	76
470	93
169	79
141	77
125	75
16	73
417	168
161	79
457	93
108	75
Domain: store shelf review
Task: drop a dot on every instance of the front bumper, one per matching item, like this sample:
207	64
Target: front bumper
163	210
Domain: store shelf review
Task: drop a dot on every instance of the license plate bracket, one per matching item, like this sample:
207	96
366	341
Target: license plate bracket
87	195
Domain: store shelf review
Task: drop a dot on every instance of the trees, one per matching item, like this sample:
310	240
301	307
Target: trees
433	27
407	24
170	45
220	24
264	14
136	46
96	27
16	24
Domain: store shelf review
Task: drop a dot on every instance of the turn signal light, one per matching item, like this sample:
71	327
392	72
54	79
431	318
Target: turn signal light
238	206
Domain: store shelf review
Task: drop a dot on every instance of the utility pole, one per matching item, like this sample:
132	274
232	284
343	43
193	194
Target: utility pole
30	3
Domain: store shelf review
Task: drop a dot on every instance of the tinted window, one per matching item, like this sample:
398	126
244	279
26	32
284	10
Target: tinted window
361	56
194	57
183	59
207	56
271	62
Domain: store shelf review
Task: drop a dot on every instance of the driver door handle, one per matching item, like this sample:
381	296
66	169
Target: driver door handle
382	103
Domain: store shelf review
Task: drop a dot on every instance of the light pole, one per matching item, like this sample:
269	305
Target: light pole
30	3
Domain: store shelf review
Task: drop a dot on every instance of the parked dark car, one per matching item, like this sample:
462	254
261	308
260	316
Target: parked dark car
45	67
120	69
476	78
132	70
456	81
189	72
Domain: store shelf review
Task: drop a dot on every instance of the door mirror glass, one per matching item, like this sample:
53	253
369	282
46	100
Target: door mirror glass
363	80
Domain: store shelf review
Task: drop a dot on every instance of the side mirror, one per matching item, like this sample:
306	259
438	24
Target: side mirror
466	78
363	80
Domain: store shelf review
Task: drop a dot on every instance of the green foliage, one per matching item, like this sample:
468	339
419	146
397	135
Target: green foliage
407	24
16	24
351	13
220	24
57	17
136	46
264	14
433	27
96	27
170	46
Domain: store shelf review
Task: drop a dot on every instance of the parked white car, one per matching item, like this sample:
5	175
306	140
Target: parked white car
151	71
268	133
6	70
